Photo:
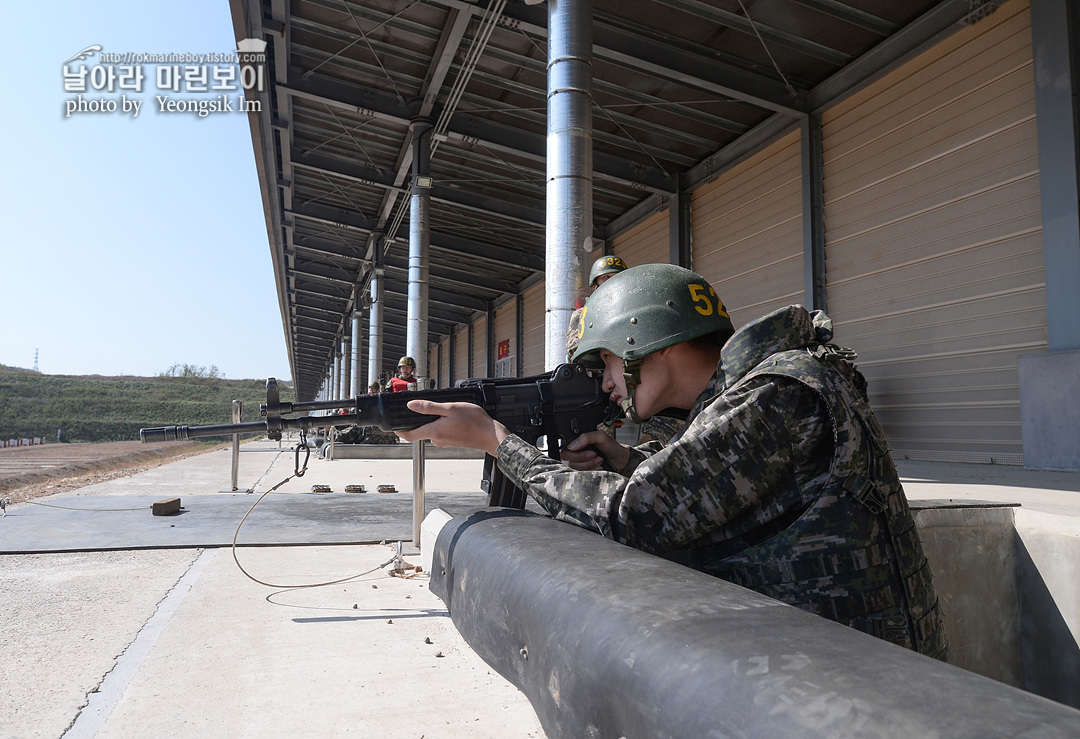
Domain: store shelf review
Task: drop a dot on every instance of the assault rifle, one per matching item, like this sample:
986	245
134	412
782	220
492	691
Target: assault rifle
557	406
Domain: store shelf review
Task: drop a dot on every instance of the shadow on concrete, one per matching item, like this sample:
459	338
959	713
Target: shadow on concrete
985	474
1049	652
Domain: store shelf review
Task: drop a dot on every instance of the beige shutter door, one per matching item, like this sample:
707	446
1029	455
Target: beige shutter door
480	367
645	243
506	331
534	310
461	355
444	366
746	232
934	266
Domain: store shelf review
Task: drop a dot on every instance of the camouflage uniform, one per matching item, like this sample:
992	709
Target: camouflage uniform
573	333
661	428
781	482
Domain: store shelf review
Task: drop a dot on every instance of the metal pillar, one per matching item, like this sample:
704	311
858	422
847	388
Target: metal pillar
1057	119
417	315
375	314
489	343
335	372
346	364
237	417
1050	381
569	167
451	370
679	226
357	346
813	212
469	362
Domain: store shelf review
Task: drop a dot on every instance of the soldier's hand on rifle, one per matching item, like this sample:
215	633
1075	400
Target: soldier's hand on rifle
462	425
588	452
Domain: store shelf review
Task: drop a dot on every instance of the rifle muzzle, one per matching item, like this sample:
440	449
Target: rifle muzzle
163	433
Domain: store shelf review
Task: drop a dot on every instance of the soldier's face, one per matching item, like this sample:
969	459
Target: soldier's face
648	391
406	370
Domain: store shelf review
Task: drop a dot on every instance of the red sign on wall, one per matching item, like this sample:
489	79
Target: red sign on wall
504	349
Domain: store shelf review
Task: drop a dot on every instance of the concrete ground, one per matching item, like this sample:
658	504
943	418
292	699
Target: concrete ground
179	642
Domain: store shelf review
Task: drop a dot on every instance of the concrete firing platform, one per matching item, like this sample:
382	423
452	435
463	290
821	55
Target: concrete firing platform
126	522
178	642
108	515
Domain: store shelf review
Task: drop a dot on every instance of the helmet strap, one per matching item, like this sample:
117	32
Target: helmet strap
631	378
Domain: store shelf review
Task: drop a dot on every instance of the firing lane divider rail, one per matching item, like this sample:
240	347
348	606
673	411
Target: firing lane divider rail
607	641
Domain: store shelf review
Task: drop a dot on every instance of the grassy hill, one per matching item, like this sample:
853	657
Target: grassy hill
95	408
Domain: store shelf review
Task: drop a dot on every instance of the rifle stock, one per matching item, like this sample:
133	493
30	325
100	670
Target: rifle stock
558	406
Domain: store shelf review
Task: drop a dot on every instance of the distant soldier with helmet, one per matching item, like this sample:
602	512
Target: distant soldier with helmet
781	482
405	376
602	269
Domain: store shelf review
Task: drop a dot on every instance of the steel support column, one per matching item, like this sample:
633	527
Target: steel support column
335	376
357	346
813	213
679	227
346	362
569	167
375	313
1053	28
417	315
1050	381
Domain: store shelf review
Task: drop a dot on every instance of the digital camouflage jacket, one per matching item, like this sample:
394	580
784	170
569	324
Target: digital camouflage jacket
780	482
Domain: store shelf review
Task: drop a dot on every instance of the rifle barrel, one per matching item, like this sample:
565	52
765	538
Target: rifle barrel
183	433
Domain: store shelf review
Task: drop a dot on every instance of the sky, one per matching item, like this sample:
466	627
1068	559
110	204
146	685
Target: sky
128	244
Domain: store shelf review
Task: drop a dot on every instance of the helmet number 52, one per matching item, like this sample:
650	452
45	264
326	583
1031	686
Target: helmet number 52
702	303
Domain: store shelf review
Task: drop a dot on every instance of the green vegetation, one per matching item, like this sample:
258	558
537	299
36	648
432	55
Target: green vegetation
96	408
188	371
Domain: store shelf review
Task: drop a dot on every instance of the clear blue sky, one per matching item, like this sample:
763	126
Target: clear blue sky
128	244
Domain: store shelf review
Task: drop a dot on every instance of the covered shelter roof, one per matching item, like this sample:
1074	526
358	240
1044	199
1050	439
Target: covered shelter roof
681	90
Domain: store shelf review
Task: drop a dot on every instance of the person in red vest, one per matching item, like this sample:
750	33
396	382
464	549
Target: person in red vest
406	368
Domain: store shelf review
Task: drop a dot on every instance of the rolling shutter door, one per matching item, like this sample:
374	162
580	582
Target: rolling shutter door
506	331
746	232
444	363
534	331
432	369
934	266
481	367
645	243
461	355
480	352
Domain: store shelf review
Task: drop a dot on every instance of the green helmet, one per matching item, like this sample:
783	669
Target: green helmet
407	362
643	310
605	266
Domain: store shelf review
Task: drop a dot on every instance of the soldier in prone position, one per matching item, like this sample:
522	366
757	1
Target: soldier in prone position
781	481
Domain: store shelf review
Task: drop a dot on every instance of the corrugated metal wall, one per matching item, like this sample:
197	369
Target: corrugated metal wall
444	363
934	264
645	243
534	300
461	355
506	330
480	349
746	232
433	361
